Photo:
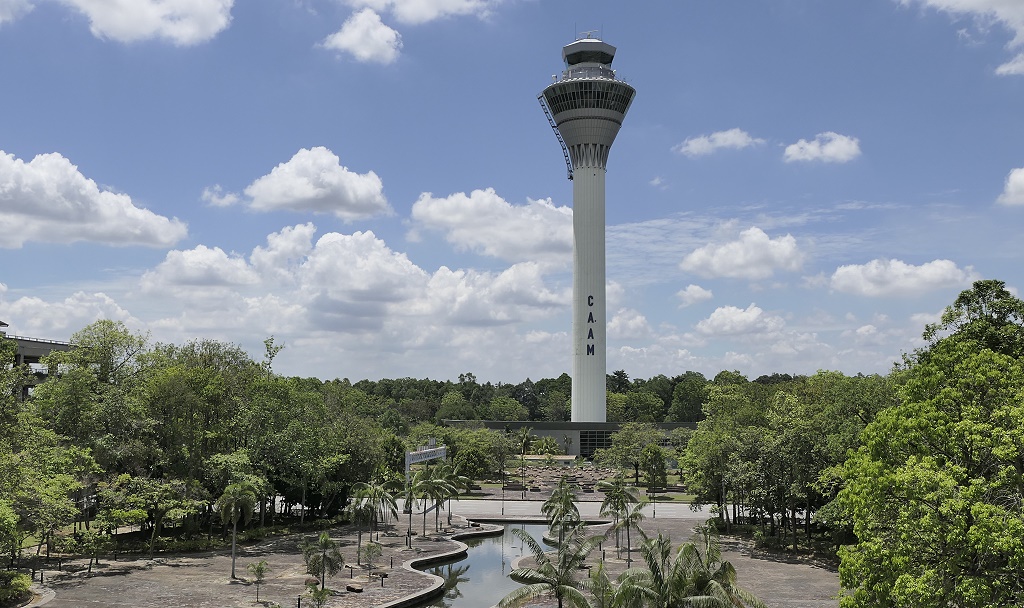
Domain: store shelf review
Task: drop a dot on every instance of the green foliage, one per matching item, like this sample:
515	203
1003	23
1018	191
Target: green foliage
652	463
935	492
545	445
627	444
318	597
323	557
688	398
507	408
13	585
259	572
454	406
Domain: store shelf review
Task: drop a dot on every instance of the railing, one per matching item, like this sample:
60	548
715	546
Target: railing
40	340
588	71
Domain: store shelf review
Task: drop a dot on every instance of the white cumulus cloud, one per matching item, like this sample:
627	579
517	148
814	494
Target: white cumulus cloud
60	318
423	11
753	256
314	180
203	267
731	321
693	294
884	277
485	223
49	200
1013	192
367	38
827	147
182	22
735	139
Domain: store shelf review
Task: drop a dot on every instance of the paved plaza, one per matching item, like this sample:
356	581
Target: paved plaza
202	580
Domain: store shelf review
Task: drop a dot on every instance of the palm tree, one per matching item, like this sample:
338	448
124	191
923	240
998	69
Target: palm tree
322	558
237	502
372	501
631	518
360	512
439	490
373	551
554	574
560	508
457	482
688	578
428	486
618	495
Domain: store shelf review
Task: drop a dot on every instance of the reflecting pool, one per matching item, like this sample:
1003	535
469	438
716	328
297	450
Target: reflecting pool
481	578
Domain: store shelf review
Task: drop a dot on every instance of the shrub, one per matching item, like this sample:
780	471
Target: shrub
13	586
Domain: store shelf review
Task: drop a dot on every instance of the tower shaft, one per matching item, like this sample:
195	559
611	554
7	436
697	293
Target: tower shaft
589	327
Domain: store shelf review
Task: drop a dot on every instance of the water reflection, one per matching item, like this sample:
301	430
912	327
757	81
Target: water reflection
481	578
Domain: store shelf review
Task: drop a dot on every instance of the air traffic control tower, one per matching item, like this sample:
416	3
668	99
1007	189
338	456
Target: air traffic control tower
585	108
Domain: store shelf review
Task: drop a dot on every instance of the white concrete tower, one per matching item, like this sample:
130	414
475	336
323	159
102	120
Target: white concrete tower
586	108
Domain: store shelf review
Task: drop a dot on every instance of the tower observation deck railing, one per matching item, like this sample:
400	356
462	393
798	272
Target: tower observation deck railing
588	71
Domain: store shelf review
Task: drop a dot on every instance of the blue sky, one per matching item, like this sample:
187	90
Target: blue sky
799	185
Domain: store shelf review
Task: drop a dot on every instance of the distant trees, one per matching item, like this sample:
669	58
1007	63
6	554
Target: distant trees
768	453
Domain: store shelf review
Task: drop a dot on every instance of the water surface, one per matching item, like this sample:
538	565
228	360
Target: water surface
481	578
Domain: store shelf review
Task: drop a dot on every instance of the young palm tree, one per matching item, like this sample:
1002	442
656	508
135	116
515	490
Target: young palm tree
618	495
237	502
360	512
687	578
560	508
322	558
259	572
555	574
606	593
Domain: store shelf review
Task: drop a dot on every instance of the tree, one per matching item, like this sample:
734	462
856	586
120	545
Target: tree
259	572
323	558
631	518
454	406
688	398
627	444
237	502
553	575
371	553
618	495
988	315
652	463
560	508
934	492
507	408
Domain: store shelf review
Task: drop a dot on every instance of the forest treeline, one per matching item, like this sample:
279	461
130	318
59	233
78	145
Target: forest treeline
917	475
